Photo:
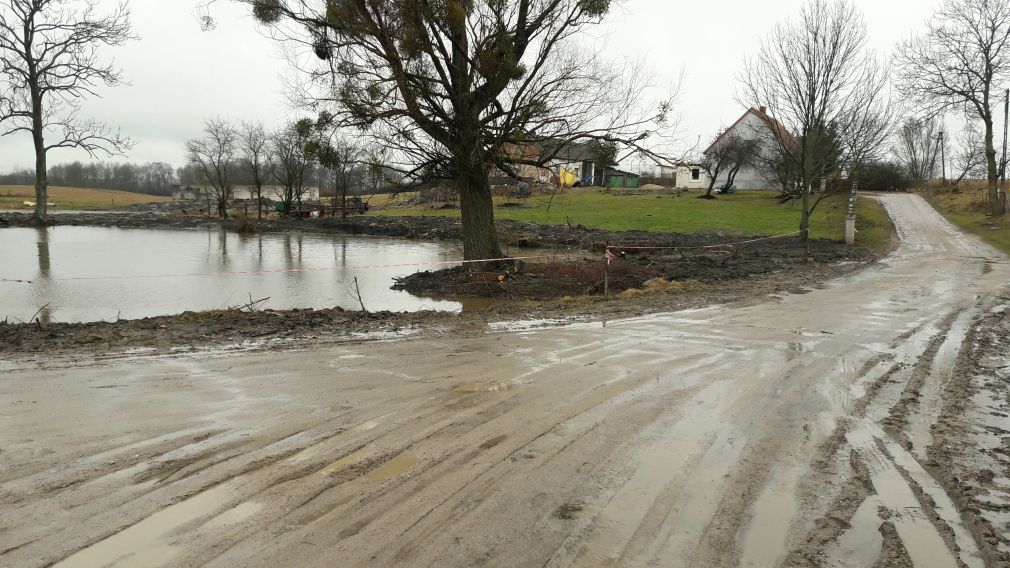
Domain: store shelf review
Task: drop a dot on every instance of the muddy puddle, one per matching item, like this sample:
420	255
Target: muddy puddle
149	543
80	274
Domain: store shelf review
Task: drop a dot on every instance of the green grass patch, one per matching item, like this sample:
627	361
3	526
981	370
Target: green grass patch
970	211
743	213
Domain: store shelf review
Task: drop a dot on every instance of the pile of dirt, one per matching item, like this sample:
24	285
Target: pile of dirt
191	329
631	269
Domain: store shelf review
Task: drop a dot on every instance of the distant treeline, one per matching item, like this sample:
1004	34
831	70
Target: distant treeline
154	178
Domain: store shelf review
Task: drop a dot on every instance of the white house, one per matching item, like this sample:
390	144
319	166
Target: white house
755	124
692	176
271	192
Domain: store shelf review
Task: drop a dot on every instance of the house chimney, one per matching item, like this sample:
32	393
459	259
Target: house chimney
764	110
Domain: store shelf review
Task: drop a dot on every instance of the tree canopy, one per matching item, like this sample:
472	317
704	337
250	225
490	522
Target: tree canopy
452	87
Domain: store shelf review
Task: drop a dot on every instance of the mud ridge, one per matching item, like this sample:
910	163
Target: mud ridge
835	521
897	420
953	460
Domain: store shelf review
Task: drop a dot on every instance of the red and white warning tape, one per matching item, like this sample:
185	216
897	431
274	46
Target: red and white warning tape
708	247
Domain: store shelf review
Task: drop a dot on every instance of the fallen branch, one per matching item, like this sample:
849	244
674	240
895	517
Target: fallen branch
357	292
252	306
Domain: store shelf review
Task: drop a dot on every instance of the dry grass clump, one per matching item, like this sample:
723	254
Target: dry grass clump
659	286
245	226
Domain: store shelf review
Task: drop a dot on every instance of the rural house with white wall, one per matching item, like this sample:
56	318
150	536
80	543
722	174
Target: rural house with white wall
755	124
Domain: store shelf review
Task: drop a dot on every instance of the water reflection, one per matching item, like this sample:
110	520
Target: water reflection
43	278
95	273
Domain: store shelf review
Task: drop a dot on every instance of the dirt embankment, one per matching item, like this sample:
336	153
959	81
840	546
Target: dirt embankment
634	269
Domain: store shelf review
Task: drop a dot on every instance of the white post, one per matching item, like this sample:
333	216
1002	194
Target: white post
850	218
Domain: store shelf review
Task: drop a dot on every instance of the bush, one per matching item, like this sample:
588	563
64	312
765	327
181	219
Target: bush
885	176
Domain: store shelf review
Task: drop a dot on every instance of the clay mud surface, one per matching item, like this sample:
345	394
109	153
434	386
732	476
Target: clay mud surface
859	423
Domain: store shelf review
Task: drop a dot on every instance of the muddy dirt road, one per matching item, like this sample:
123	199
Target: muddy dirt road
799	430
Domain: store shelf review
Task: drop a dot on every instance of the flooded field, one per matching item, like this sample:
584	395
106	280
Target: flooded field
76	274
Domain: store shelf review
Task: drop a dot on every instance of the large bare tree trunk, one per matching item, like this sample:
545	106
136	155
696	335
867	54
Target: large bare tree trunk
41	182
479	238
995	203
805	219
38	137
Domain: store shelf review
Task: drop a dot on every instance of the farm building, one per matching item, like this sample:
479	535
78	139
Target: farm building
691	176
198	192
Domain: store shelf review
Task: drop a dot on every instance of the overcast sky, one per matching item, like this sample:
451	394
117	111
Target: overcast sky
179	75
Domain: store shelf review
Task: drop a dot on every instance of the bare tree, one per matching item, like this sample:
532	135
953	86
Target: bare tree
450	86
818	81
969	159
339	157
292	167
917	147
727	155
958	63
214	157
48	63
254	147
375	166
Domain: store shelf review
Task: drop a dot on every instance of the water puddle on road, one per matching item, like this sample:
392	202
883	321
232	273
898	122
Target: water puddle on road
892	472
346	461
923	543
513	326
146	544
234	516
930	401
861	545
394	467
481	387
765	541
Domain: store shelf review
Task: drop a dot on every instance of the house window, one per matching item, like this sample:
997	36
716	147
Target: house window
695	174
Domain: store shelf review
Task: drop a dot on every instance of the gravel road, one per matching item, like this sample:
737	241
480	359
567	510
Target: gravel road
827	427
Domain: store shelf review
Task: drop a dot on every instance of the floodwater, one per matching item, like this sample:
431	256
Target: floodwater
79	274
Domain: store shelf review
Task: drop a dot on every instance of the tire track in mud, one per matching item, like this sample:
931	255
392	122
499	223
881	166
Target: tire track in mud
525	454
448	428
878	477
964	456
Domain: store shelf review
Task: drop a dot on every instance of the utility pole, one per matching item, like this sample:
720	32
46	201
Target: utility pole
1006	119
943	158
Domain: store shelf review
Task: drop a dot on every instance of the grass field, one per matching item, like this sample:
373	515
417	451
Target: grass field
73	198
969	210
744	213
